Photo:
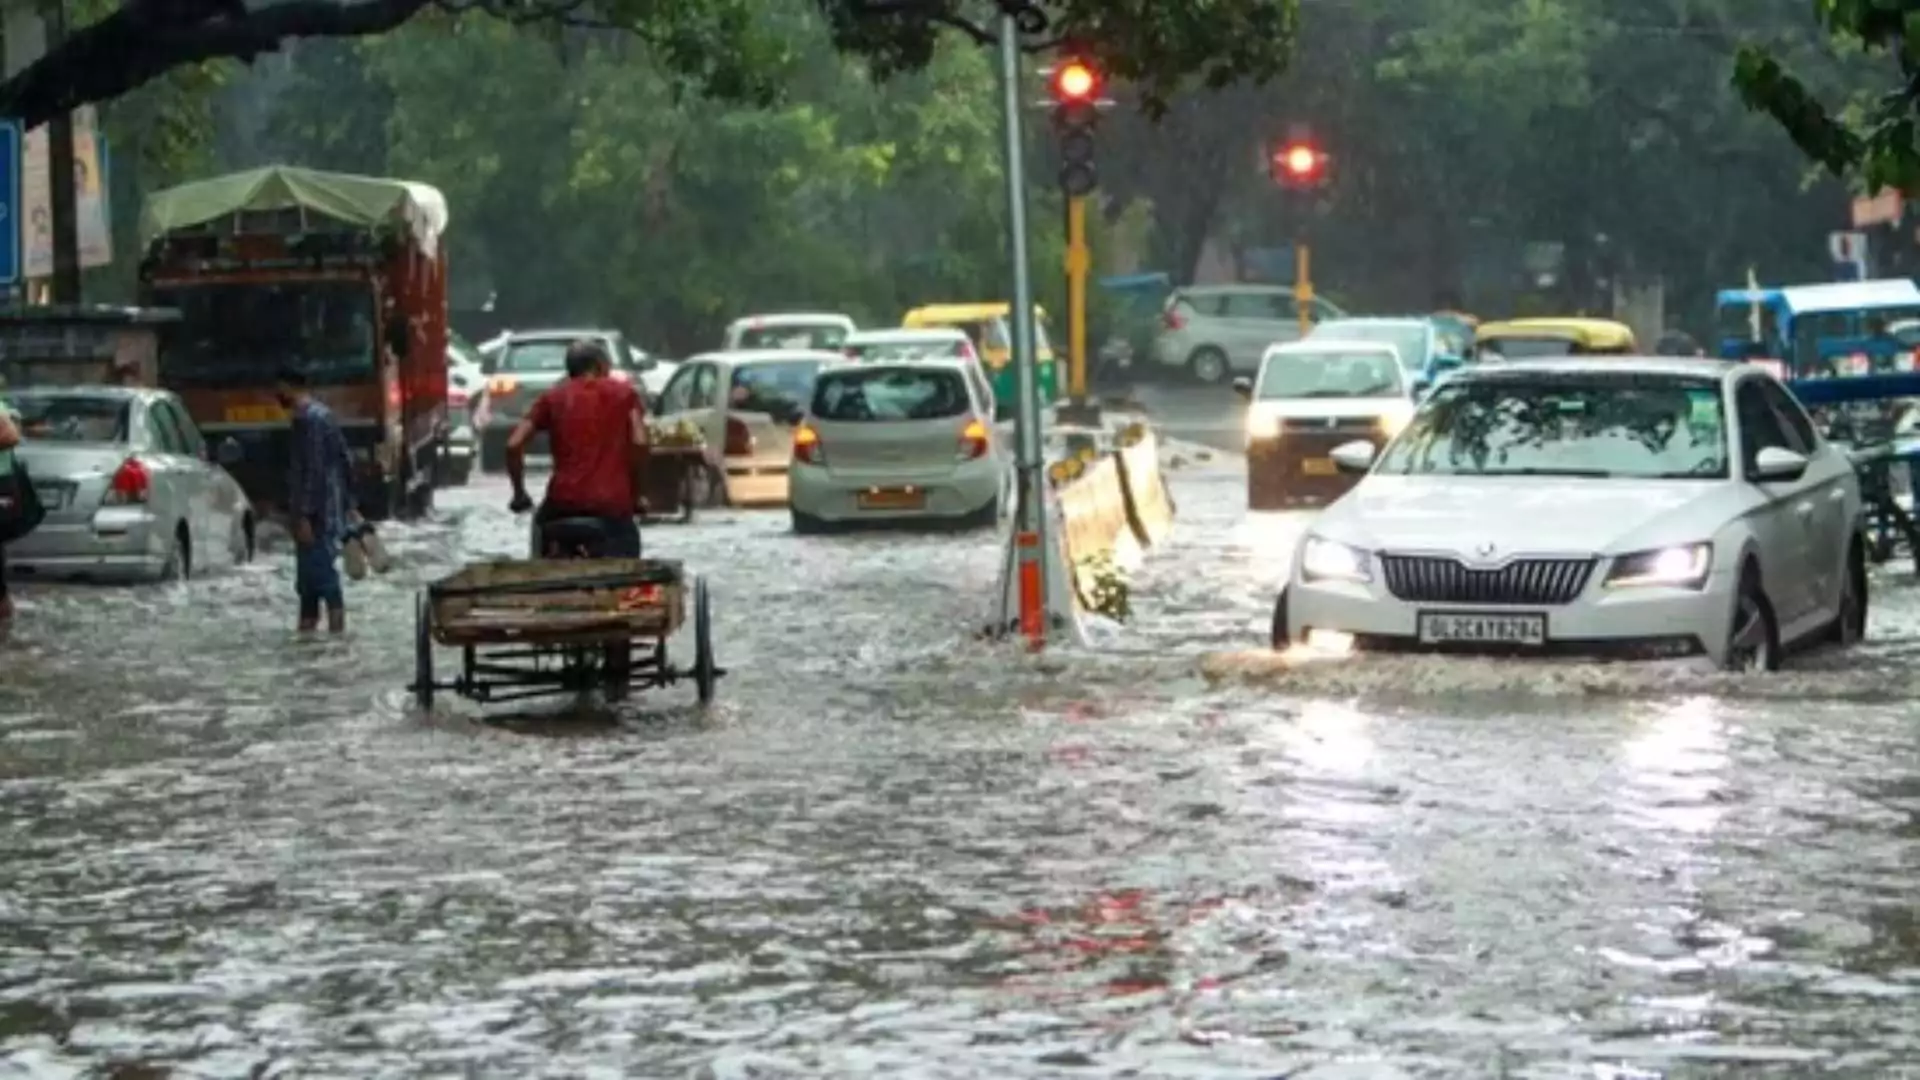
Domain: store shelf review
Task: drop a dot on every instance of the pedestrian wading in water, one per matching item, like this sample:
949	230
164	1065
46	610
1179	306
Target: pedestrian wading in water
319	503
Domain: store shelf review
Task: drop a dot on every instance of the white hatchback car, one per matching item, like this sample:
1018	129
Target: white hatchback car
1645	506
898	444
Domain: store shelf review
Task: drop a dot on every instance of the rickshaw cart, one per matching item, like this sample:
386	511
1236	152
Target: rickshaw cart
542	627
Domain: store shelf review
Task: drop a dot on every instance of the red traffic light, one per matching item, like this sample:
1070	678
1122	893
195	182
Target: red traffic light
1075	81
1301	160
1299	164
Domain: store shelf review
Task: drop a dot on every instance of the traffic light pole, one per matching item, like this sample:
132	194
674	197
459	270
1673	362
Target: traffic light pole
1303	284
1079	263
1030	537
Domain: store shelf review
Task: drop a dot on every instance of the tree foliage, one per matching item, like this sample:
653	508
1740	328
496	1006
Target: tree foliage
1874	137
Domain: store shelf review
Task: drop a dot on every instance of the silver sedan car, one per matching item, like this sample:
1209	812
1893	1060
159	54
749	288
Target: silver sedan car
130	489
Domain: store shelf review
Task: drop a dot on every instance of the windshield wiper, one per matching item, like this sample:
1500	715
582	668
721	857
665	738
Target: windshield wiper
1327	393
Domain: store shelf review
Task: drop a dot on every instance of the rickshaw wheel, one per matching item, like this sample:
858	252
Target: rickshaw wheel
705	673
423	651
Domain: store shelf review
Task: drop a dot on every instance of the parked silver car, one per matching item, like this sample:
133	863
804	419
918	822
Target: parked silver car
531	362
1213	332
130	490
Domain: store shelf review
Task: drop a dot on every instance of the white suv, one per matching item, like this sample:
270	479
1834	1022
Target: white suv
1213	332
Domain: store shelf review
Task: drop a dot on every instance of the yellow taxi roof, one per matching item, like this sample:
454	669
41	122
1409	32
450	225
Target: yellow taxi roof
1597	332
963	313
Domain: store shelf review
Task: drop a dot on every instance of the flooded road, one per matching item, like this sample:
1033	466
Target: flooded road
891	851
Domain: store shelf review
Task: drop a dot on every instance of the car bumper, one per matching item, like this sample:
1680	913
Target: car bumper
116	545
1640	621
756	484
948	493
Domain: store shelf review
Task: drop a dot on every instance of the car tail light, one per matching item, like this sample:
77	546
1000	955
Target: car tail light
1173	319
131	484
395	398
806	445
966	351
457	398
975	439
740	442
500	384
622	375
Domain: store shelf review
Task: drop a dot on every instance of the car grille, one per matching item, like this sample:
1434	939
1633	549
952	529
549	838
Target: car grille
1430	580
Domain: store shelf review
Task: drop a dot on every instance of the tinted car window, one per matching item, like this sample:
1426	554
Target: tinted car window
891	394
1790	411
1760	428
1592	425
773	385
535	356
793	337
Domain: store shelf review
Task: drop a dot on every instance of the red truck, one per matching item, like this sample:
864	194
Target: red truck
341	277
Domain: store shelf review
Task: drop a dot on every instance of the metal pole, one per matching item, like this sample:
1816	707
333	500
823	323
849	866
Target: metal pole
1303	286
1032	538
1078	263
62	213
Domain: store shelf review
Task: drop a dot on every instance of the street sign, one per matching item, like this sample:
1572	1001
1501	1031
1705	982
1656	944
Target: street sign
9	202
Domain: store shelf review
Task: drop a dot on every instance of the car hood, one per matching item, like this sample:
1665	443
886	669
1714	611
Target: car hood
1537	515
1343	408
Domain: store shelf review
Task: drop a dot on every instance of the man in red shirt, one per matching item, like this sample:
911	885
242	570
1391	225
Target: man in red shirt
596	427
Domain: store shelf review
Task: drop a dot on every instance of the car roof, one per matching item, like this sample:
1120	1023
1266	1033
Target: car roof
518	336
1333	344
941	363
787	318
906	333
1420	321
1677	366
756	356
98	390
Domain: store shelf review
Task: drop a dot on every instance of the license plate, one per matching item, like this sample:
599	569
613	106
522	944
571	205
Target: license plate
1319	466
1471	628
256	414
893	499
53	496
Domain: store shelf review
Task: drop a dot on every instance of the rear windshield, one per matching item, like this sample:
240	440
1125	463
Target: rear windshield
891	394
72	418
907	351
774	385
801	336
536	356
1522	348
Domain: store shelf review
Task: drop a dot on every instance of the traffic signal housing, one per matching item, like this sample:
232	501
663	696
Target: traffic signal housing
1076	87
1299	164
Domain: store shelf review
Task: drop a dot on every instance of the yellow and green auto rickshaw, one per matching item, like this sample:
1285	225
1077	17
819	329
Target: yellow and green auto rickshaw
989	327
1521	339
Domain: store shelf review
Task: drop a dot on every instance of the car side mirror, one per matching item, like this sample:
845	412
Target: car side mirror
229	452
1244	387
1777	464
1353	457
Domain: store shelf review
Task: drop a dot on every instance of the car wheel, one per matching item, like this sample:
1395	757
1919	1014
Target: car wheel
179	564
1280	639
243	541
1753	638
805	524
1850	621
1209	366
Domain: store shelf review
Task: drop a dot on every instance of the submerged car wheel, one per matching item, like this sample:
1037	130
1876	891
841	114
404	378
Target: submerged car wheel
1279	638
1850	622
1753	639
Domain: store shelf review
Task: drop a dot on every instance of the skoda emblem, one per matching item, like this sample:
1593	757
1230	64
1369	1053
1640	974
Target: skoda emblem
1485	551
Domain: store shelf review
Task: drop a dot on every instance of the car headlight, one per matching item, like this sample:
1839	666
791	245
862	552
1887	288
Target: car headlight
1682	567
1329	560
1260	426
1393	423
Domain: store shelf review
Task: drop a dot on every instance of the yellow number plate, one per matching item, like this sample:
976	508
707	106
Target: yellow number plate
1319	466
256	414
893	499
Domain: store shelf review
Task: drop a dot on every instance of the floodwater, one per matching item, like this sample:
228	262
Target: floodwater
892	851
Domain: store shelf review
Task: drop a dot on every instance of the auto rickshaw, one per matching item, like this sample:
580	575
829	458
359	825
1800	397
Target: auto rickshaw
1520	339
989	327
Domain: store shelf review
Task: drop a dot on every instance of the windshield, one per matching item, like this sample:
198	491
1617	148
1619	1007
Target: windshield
1292	375
774	385
793	336
72	418
891	394
461	351
535	356
1635	426
892	351
1410	341
243	333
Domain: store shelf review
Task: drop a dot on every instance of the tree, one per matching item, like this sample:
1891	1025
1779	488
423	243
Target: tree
1160	47
1877	137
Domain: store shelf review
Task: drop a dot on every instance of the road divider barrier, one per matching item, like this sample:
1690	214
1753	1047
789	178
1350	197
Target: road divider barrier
1149	506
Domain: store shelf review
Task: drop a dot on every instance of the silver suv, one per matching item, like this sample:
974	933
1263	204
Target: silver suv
1213	332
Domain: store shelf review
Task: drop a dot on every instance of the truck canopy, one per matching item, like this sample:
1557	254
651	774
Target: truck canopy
368	202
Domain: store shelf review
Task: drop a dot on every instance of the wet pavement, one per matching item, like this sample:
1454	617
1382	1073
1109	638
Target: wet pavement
890	850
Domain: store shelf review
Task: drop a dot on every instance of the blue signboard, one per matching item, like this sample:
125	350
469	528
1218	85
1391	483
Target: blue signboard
9	202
